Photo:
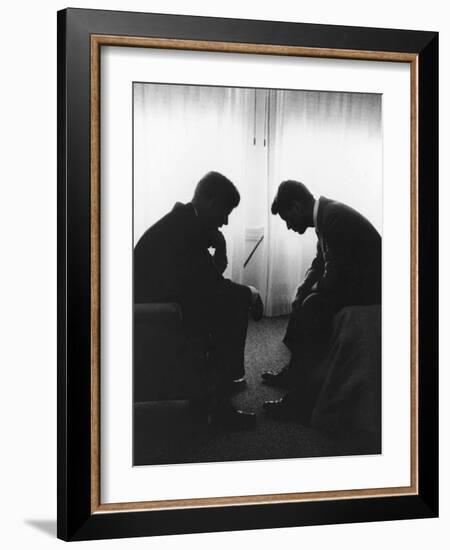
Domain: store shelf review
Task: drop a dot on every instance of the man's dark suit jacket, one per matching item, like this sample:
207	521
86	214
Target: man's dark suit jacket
347	267
172	264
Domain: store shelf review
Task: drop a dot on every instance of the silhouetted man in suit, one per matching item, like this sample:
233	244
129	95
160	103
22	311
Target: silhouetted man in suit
172	263
346	271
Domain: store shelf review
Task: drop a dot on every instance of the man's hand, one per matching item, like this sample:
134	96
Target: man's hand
302	292
217	241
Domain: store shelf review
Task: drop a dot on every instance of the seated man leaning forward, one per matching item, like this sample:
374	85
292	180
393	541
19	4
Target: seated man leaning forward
172	263
346	271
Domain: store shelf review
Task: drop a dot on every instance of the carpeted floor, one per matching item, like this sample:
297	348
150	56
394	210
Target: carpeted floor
168	433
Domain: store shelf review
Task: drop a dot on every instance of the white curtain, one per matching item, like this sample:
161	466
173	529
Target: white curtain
332	143
180	134
328	140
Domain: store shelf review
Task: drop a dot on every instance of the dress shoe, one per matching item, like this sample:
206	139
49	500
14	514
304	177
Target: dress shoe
257	309
280	379
231	419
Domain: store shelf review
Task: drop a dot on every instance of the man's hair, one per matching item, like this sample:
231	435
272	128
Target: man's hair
215	185
288	192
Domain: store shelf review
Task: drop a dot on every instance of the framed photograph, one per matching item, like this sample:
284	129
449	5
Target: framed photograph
247	274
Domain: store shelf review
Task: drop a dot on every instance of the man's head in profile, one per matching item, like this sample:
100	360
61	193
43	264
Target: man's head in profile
214	199
295	205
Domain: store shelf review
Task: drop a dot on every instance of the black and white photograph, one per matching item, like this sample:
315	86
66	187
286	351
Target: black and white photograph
257	273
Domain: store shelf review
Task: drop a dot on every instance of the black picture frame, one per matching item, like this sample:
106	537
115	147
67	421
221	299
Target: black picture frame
78	518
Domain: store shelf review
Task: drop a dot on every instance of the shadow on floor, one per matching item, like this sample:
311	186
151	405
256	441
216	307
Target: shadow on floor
47	526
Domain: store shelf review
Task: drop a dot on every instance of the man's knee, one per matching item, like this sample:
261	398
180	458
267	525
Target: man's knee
239	294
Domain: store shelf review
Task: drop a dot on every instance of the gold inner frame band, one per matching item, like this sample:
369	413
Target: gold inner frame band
97	41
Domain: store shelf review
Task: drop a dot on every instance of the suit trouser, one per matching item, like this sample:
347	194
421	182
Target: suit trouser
307	337
309	327
222	319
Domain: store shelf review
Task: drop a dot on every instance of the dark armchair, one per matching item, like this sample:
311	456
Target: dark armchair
166	363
